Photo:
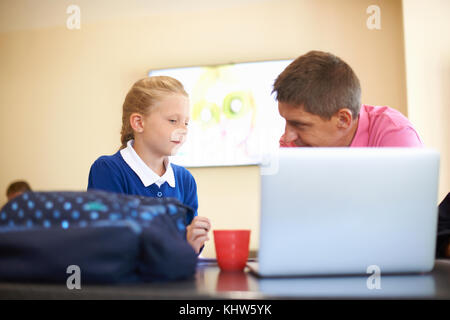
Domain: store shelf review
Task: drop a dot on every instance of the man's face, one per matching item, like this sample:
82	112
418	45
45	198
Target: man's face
305	129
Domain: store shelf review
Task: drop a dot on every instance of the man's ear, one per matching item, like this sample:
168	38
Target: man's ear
344	118
137	122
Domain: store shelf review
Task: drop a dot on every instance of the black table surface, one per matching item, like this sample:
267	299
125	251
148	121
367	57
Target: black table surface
210	282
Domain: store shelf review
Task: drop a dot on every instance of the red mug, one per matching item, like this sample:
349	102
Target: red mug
232	249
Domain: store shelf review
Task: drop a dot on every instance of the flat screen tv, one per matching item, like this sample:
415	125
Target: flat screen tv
234	117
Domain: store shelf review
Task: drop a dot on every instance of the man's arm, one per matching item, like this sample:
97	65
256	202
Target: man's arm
443	238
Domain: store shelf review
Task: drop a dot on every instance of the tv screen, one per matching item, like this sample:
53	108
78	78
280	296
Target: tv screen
234	117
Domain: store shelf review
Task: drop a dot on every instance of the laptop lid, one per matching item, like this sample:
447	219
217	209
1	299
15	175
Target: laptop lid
331	211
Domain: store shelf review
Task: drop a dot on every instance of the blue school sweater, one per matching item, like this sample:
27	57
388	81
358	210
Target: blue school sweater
112	173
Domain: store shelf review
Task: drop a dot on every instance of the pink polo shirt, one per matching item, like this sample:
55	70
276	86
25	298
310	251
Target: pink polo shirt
384	127
381	127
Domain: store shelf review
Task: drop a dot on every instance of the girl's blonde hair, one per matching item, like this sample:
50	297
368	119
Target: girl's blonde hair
142	96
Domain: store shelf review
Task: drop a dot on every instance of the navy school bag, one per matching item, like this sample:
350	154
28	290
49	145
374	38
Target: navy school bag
112	238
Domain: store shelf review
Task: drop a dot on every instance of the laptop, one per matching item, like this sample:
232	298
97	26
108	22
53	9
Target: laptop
342	211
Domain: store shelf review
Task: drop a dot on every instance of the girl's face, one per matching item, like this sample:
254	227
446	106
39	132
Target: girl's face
165	128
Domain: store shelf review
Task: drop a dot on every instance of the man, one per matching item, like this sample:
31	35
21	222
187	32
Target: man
319	95
17	188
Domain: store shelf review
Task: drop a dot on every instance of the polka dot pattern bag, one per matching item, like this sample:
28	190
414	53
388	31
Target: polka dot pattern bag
111	238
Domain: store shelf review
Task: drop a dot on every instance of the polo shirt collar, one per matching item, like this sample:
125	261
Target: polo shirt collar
147	175
361	138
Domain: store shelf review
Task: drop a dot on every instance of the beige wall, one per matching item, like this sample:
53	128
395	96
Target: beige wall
427	52
62	90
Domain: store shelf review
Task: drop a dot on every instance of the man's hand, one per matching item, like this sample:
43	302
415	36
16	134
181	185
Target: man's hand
197	232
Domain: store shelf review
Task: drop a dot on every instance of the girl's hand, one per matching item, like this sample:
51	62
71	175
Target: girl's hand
197	232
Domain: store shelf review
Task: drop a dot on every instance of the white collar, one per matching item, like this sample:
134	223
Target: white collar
147	175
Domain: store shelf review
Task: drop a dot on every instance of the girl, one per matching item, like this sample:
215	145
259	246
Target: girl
154	126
